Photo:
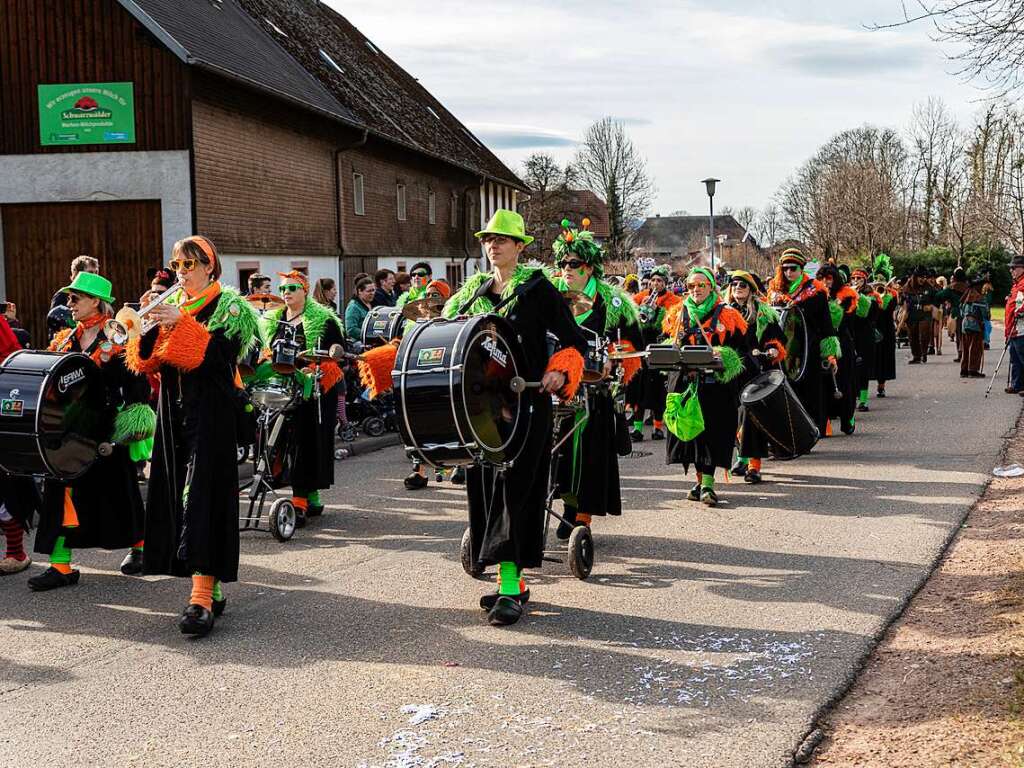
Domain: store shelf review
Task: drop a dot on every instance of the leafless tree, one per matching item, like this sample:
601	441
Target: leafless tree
609	163
988	35
548	183
767	227
938	149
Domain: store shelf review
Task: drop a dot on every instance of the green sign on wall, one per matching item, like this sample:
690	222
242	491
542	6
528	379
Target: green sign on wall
91	113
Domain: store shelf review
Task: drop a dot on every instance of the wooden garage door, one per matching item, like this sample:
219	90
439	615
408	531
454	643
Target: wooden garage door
40	240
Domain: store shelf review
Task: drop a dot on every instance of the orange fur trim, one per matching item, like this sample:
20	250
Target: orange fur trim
670	323
846	293
332	375
630	367
567	361
375	368
60	339
779	347
667	300
151	365
184	345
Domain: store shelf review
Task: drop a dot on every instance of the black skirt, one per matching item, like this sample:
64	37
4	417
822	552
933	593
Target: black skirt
588	464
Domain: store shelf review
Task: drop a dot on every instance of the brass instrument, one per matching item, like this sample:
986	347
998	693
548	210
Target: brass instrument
129	323
649	309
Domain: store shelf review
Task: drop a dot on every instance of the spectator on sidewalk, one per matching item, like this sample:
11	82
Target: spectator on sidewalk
384	295
359	307
974	312
78	264
259	284
1014	321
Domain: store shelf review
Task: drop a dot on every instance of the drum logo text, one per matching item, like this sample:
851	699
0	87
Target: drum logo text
430	356
65	381
501	358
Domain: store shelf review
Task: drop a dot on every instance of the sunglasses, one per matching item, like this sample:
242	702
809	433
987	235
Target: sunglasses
790	268
739	284
74	298
420	273
496	239
571	264
702	284
290	288
183	265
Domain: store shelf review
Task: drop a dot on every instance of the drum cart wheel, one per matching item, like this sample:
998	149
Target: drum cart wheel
282	519
469	565
374	426
581	552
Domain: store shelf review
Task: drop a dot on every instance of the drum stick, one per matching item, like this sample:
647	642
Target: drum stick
520	385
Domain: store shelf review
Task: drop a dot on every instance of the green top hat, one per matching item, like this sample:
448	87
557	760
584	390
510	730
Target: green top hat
91	284
508	223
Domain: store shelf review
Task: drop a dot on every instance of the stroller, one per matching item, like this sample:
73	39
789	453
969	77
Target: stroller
371	417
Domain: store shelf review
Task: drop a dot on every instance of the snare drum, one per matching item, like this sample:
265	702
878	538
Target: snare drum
284	352
274	395
53	414
453	392
381	325
596	357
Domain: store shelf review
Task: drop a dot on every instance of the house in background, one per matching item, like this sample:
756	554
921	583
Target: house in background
274	127
544	211
683	242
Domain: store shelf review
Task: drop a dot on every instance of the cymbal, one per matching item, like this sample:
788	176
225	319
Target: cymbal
423	309
320	356
264	300
578	302
626	355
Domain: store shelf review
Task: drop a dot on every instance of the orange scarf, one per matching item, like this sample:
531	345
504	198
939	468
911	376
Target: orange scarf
194	304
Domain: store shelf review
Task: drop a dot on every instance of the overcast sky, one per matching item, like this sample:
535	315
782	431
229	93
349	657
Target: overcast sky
743	90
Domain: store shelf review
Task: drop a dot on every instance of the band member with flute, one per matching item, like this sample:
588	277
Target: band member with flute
102	508
192	503
703	319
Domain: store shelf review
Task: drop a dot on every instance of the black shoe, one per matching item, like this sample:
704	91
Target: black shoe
637	435
300	518
657	434
694	494
1011	391
708	497
314	510
957	359
487	602
880	393
415	482
565	526
752	476
219	606
848	429
976	374
438	476
988	346
739	469
132	563
915	361
863	407
195	620
459	476
51	578
506	611
931	350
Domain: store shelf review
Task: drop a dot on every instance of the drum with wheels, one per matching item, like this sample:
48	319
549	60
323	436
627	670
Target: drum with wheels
794	326
453	392
771	405
282	519
581	552
53	414
381	325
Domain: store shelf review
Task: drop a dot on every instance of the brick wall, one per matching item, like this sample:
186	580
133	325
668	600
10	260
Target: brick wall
263	175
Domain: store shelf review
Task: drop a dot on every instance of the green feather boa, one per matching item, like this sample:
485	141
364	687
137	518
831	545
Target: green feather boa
137	419
413	294
863	306
766	315
886	300
236	318
830	347
483	305
315	318
836	310
732	364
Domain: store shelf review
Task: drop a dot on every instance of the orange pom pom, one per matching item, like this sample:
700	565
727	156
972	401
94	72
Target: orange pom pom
568	237
586	223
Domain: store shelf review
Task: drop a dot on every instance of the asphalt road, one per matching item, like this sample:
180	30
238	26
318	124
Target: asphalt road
703	637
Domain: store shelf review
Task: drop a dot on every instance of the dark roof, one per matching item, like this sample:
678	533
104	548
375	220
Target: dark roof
672	232
276	45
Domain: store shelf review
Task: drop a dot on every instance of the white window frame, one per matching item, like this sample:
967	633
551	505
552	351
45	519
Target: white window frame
401	201
358	194
431	207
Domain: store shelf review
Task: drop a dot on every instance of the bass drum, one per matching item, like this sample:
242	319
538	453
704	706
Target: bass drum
771	405
794	326
453	392
381	325
53	414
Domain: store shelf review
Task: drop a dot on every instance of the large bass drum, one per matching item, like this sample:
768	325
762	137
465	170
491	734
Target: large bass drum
53	414
794	326
453	392
381	325
771	406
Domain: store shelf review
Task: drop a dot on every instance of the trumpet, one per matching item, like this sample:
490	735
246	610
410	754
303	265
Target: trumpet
129	323
649	309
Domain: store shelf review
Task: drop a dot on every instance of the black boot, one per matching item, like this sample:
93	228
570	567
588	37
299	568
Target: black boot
657	434
415	481
487	602
506	611
51	578
566	525
195	620
637	435
694	494
219	606
132	563
752	476
459	476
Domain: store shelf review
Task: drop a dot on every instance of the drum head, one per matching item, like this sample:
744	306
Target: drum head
762	386
493	410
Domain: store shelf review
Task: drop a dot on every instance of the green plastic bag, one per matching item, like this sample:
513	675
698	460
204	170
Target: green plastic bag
683	415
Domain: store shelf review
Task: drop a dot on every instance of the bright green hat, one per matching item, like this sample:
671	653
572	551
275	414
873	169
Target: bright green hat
91	284
508	223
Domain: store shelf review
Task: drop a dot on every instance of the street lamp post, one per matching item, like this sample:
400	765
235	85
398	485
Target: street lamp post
710	185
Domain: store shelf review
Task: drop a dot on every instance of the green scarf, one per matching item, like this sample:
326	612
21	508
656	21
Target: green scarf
698	312
797	284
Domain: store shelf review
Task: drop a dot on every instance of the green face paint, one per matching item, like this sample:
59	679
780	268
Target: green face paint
582	272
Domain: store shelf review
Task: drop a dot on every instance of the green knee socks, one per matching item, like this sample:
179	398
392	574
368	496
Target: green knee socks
314	498
508	578
863	397
707	480
218	593
60	557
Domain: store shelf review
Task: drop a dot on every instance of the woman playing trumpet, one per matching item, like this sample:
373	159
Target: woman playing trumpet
103	507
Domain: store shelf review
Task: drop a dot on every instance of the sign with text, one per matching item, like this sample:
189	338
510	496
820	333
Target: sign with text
91	113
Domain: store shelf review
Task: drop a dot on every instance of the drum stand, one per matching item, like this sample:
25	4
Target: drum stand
282	518
579	551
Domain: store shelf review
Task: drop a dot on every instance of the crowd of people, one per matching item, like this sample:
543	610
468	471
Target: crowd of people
176	398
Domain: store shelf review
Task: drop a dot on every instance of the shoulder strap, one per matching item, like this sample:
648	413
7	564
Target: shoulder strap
485	288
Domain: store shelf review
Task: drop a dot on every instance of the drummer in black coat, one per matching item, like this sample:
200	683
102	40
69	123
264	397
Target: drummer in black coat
865	334
765	336
312	326
103	507
841	389
793	289
507	507
703	319
588	464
